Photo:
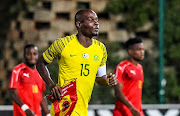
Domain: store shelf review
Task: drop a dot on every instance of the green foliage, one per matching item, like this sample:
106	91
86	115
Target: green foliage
150	85
172	88
172	45
172	29
112	47
102	95
136	12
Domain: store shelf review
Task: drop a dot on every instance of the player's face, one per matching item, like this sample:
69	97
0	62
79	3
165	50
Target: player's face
138	52
90	25
31	55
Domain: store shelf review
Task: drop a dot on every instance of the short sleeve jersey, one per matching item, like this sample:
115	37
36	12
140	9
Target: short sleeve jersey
76	61
131	76
30	86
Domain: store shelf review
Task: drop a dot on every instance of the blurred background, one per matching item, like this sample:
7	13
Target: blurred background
43	21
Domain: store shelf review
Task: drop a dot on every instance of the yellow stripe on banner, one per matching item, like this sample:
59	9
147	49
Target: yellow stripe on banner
52	112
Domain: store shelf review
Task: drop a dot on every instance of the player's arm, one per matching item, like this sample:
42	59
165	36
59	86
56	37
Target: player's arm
15	97
120	95
44	106
103	79
41	66
44	72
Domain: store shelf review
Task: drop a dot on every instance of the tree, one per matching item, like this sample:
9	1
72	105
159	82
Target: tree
172	44
136	12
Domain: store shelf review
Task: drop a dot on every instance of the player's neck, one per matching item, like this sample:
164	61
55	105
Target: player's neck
84	41
133	61
32	66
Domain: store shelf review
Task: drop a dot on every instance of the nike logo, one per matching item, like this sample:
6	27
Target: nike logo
72	55
26	74
133	72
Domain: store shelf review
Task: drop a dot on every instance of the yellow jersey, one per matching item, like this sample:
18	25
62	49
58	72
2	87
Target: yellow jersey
76	61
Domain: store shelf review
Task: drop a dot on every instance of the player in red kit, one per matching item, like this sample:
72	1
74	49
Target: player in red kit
130	80
26	86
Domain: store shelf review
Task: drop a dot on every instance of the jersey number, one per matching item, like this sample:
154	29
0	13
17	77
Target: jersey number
140	84
84	69
34	88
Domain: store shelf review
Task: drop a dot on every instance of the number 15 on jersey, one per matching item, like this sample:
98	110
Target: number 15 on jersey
84	69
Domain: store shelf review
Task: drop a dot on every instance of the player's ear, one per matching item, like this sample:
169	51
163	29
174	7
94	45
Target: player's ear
129	51
78	24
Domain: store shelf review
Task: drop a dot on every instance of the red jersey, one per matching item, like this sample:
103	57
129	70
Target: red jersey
131	76
30	87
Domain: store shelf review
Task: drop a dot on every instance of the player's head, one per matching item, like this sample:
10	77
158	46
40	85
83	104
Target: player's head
30	54
135	48
86	22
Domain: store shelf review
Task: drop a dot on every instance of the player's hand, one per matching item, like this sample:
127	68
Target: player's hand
29	112
135	112
111	79
56	92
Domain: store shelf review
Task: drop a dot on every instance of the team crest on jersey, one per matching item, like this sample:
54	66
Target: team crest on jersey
96	58
85	55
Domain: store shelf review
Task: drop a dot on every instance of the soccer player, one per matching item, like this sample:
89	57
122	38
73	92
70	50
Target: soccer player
80	58
130	78
26	86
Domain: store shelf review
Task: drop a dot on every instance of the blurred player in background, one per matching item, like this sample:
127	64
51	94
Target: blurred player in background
80	58
130	81
26	86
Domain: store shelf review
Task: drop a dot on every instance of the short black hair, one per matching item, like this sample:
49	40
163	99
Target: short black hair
79	14
29	45
132	41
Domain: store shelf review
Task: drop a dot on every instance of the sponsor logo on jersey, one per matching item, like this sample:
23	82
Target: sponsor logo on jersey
72	55
26	75
14	71
133	72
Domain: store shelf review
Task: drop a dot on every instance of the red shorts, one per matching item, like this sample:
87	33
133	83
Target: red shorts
116	112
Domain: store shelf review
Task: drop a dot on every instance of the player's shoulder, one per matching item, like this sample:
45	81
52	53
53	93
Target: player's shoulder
124	63
140	66
66	39
19	67
61	43
99	44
